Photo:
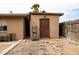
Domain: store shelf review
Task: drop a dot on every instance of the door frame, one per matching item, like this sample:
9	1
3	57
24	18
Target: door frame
40	27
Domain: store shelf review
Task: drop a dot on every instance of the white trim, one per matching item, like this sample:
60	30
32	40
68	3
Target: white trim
3	31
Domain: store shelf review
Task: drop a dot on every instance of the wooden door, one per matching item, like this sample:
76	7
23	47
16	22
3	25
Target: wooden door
44	28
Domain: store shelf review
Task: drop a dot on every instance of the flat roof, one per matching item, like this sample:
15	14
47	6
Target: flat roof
31	13
17	14
41	13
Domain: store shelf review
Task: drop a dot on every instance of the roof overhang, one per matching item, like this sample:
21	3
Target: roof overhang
55	14
31	13
21	15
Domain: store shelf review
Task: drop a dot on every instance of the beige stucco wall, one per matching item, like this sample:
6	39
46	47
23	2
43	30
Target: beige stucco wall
14	25
54	25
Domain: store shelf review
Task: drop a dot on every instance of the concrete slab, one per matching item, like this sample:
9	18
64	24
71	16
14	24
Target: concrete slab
7	46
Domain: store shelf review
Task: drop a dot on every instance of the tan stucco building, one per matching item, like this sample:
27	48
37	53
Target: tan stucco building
31	25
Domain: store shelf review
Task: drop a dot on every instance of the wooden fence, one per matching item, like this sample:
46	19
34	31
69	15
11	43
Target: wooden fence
70	30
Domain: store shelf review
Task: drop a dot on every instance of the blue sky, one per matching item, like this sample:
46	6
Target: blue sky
68	7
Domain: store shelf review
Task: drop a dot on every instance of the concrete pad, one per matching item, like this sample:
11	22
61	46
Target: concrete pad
8	46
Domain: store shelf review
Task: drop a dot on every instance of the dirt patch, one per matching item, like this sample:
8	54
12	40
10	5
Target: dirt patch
45	47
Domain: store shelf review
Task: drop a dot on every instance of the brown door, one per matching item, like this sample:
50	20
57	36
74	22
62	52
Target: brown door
44	28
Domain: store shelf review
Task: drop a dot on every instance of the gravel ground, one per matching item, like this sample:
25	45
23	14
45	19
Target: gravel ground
45	47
